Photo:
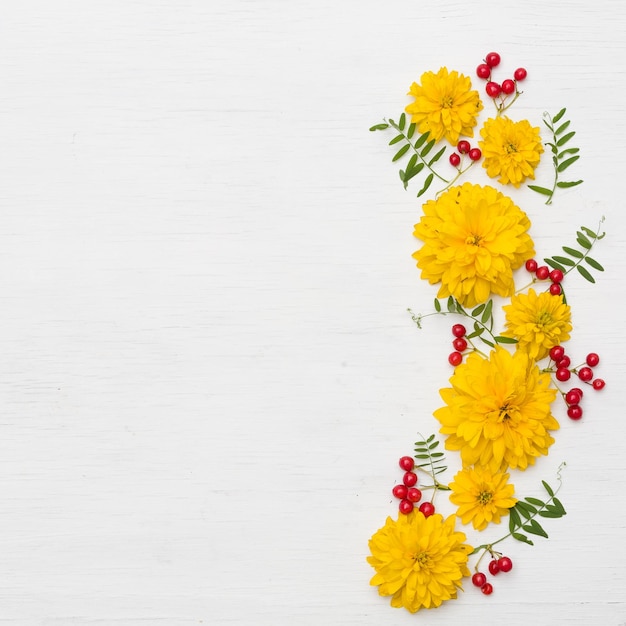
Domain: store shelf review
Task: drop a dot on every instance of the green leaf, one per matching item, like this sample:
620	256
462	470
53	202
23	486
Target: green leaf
489	343
544	483
535	501
541	190
573	252
565	139
437	306
437	156
563	260
561	154
550	514
379	127
427	148
396	139
402	122
451	304
421	140
564	184
561	128
478	310
429	179
411	130
553	264
557	503
534	528
565	164
410	173
514	520
588	232
401	152
585	274
522	538
594	264
486	316
430	438
501	339
527	510
559	115
477	332
583	240
433	445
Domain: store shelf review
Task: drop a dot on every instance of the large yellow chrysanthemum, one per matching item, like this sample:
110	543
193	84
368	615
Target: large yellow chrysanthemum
482	496
474	237
497	411
419	561
511	150
538	322
445	105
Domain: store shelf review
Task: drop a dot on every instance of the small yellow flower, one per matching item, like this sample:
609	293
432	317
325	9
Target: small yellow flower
445	105
511	150
419	561
482	496
538	322
498	411
474	237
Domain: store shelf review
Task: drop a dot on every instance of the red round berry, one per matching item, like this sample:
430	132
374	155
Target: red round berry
555	289
531	266
479	579
508	86
563	374
400	491
427	508
455	358
483	71
505	564
414	494
542	272
520	73
492	89
455	159
564	362
463	146
475	154
578	390
556	276
592	359
585	374
458	330
459	344
494	568
574	412
573	397
598	384
405	507
406	463
487	589
410	479
557	353
492	59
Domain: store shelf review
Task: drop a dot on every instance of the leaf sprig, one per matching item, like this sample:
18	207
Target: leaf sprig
562	157
430	460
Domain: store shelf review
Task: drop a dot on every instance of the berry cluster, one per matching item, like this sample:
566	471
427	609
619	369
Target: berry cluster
464	147
543	272
407	492
508	86
496	565
459	343
563	372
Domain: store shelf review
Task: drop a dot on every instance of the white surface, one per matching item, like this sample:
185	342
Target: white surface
208	372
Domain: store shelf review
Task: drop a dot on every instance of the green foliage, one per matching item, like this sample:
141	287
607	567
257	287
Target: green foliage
428	457
562	157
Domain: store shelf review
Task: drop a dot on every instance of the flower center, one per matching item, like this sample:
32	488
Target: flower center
420	559
447	102
473	240
544	318
484	497
510	147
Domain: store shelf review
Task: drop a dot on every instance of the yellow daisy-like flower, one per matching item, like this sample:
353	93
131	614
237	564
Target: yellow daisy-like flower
419	561
482	496
445	105
497	411
538	322
474	237
511	150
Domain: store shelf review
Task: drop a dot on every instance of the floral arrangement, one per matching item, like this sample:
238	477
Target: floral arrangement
498	409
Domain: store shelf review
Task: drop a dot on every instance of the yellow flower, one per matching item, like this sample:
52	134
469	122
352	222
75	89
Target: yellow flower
474	237
445	105
511	150
419	561
497	411
482	496
538	322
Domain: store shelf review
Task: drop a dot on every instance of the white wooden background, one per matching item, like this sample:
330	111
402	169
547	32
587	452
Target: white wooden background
208	371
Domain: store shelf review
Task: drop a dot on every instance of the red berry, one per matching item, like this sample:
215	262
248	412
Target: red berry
575	412
508	86
492	59
573	397
458	330
505	564
557	353
455	159
494	568
400	491
556	276
493	89
405	507
542	272
531	266
487	589
585	374
427	508
598	384
578	390
406	463
410	479
479	579
520	73
414	494
475	154
592	359
483	71
563	374
459	344
555	289
564	362
463	146
455	358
